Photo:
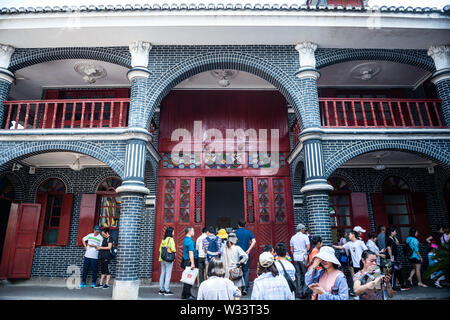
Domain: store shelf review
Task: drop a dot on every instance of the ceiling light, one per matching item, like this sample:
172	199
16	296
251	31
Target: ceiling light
91	72
76	166
224	76
379	166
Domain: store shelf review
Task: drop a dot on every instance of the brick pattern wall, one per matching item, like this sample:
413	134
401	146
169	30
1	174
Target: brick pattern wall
5	86
443	90
318	222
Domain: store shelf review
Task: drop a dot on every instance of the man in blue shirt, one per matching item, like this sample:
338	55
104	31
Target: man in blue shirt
190	258
246	240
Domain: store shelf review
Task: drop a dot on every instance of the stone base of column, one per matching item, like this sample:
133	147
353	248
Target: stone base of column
125	290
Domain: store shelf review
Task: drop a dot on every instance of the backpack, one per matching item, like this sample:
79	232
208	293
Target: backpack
213	248
407	250
166	255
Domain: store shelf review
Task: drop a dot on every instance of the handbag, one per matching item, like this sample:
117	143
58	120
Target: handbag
291	283
166	255
189	276
235	273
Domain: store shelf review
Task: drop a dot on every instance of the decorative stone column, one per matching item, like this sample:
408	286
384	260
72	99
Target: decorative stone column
316	188
6	76
132	193
138	76
133	190
441	77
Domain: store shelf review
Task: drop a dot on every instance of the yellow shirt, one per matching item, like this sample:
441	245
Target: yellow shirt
169	243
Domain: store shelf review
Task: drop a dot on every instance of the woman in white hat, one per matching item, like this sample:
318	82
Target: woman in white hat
233	257
329	283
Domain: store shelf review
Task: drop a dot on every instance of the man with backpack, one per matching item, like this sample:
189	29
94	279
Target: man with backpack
211	245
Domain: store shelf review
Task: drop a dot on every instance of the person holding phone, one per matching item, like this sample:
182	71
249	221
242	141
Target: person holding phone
369	283
329	283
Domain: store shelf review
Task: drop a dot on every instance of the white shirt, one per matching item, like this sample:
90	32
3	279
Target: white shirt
299	241
91	252
268	287
374	248
217	288
290	269
356	249
199	245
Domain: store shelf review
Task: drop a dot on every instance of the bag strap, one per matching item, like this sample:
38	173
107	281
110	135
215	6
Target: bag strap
226	256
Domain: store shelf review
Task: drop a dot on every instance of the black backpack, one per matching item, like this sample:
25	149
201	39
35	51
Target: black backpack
407	250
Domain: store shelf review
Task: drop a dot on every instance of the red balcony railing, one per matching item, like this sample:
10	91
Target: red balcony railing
52	114
380	113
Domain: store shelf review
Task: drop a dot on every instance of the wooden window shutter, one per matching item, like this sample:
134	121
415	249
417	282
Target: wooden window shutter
419	211
64	220
41	198
86	221
360	210
379	210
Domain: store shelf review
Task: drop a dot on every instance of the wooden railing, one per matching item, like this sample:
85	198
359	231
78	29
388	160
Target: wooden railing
52	114
380	113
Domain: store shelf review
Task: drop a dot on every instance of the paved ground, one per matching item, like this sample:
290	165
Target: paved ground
39	291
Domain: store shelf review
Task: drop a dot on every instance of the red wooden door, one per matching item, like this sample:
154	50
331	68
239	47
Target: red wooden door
20	241
273	213
180	205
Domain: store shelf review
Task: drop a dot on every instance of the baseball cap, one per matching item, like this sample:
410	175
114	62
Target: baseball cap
266	259
358	229
97	228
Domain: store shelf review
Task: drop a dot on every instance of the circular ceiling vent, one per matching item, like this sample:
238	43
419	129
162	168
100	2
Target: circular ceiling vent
365	71
90	72
224	76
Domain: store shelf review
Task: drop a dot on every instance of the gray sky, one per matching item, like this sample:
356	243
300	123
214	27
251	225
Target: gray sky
36	3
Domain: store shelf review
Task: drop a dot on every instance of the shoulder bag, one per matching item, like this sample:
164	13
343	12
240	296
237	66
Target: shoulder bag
235	273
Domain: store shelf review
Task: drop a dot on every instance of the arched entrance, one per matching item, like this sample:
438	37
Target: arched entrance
247	124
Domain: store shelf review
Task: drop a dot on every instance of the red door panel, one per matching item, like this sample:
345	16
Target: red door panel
360	211
22	250
419	210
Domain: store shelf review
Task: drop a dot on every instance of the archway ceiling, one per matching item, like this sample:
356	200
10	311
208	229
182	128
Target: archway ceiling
61	160
391	159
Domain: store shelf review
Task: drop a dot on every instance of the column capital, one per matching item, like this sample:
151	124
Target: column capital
6	52
139	51
441	56
132	187
307	60
316	185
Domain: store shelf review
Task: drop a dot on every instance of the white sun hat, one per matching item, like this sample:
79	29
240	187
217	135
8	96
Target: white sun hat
358	229
326	253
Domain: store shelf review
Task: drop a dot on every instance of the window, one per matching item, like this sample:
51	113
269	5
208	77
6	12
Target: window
340	206
6	189
53	190
109	203
396	194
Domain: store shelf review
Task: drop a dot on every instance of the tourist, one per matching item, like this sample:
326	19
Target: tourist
369	282
437	276
222	235
234	257
269	285
316	243
247	241
436	236
300	247
211	245
287	257
359	232
190	259
166	267
414	258
445	238
381	237
344	258
394	258
217	286
356	248
282	263
201	256
372	246
329	283
90	243
105	257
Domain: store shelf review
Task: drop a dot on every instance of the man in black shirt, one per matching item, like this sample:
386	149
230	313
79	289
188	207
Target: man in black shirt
392	255
105	257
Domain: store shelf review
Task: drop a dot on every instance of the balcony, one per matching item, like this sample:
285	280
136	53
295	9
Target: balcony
377	113
60	114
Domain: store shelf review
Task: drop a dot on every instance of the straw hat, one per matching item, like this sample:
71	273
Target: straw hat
222	234
326	253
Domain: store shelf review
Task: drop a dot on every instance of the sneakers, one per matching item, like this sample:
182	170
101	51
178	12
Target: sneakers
105	286
96	286
168	293
83	285
161	292
404	288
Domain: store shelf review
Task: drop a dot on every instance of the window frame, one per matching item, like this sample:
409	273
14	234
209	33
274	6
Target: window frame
110	193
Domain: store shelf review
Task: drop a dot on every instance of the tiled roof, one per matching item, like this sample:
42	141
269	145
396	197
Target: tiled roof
220	6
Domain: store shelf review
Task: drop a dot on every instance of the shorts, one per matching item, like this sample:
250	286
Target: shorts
414	260
104	265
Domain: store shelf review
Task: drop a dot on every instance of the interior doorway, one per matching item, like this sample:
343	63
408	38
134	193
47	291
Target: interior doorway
5	206
224	202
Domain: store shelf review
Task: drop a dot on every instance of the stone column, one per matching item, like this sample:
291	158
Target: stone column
316	188
138	76
441	77
6	76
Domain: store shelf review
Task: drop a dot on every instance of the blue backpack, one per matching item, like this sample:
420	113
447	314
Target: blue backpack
213	248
